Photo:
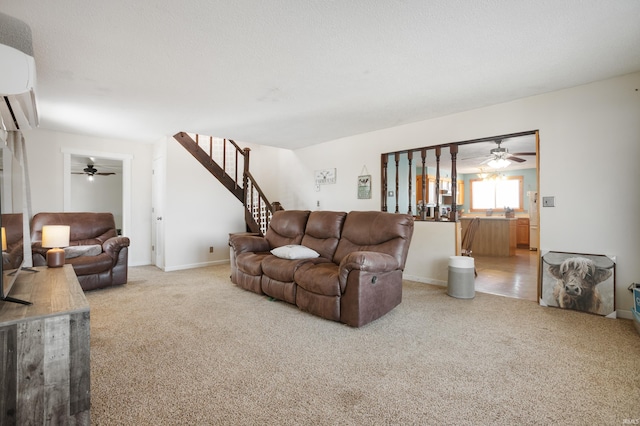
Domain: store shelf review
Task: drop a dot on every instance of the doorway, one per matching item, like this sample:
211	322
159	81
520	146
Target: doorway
84	188
515	276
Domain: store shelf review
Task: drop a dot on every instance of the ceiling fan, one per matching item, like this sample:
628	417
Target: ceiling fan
90	170
500	157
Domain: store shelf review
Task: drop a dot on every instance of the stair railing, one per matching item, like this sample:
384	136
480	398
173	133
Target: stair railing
225	152
230	165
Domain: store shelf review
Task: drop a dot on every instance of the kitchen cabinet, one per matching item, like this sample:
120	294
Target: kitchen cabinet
522	232
445	185
496	236
460	193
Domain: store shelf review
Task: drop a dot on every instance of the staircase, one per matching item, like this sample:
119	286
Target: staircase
225	160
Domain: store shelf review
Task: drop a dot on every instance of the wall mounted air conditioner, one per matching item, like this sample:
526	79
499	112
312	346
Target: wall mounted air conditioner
18	112
17	75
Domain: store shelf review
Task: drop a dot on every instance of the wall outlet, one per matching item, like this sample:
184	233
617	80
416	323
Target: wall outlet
210	249
548	201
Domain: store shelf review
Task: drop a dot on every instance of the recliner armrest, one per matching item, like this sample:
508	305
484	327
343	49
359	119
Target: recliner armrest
248	243
367	261
114	244
38	249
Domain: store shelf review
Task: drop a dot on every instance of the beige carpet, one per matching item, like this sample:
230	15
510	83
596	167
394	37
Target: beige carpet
189	347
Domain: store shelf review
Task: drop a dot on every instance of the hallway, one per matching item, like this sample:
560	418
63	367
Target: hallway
514	276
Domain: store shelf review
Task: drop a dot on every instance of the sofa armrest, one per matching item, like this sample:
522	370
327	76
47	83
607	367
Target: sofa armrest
113	246
366	261
248	243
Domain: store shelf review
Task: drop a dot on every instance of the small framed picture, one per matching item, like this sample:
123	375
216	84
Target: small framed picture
364	186
581	282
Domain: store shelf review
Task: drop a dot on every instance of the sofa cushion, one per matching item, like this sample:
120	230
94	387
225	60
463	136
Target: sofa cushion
294	251
319	278
376	231
286	227
284	269
87	265
323	232
251	263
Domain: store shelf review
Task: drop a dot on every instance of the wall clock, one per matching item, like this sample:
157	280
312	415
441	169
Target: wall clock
325	176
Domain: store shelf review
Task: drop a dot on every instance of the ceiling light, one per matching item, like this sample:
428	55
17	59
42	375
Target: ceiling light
498	163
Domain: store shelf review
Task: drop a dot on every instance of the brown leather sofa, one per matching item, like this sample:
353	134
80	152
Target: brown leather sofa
356	277
107	268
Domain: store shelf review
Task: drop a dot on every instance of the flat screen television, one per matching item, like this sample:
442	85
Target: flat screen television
11	223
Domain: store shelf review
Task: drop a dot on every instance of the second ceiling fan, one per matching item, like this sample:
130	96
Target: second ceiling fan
90	170
500	157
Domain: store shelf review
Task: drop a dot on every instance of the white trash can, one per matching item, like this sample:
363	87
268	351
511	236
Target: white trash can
461	283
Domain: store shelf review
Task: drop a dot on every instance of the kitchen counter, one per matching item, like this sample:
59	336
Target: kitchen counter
496	235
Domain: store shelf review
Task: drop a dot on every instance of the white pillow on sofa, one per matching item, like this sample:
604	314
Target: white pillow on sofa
293	251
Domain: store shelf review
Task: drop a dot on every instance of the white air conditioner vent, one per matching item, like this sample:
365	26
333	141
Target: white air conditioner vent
18	112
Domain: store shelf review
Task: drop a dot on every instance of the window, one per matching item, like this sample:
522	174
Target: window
496	193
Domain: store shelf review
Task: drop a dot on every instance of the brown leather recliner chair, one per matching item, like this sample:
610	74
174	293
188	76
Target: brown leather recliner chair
13	255
107	268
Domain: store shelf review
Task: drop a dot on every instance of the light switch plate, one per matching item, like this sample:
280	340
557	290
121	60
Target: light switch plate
548	201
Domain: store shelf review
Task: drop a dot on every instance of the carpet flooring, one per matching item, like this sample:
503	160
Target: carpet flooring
190	348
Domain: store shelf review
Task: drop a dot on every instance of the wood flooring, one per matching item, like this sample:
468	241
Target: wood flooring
512	276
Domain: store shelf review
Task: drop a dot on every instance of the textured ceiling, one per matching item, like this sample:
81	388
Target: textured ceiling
293	73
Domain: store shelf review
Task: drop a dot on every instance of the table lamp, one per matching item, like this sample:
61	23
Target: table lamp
55	237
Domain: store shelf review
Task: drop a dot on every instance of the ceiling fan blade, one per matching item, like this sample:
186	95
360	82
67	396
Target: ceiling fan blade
516	159
105	174
524	153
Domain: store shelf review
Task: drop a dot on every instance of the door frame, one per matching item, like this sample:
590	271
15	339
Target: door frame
126	180
157	212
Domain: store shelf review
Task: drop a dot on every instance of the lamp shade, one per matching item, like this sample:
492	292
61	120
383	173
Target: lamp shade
55	235
4	239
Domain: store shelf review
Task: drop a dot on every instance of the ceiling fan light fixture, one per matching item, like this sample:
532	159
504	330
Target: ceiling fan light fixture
498	163
90	170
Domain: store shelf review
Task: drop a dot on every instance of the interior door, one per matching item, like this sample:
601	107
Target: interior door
157	221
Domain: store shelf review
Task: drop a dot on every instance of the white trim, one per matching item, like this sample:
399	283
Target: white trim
424	280
195	265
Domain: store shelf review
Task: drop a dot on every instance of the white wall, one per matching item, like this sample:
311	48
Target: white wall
589	150
199	212
45	162
431	246
102	194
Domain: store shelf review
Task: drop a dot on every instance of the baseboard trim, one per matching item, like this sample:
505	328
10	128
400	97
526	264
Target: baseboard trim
194	265
424	280
624	314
